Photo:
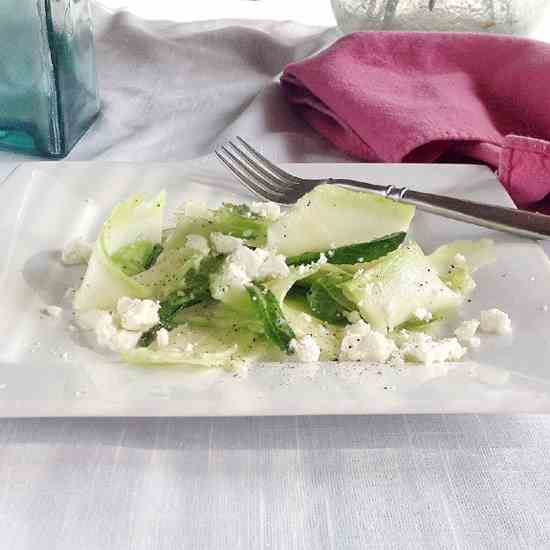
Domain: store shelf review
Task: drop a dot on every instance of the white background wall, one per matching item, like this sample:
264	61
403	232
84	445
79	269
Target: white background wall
313	12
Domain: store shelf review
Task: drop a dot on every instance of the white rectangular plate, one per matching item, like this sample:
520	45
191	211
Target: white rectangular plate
46	371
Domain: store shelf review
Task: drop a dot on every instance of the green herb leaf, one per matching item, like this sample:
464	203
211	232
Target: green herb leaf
326	299
132	258
153	256
354	253
276	327
195	289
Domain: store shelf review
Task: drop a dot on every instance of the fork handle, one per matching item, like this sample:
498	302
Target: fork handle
511	220
501	218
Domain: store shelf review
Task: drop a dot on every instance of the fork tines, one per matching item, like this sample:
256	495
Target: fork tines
256	173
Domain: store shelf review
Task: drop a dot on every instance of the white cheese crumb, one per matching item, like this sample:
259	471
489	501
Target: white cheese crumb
304	268
273	266
245	265
268	210
110	337
224	244
189	348
361	343
423	348
232	276
198	243
249	260
466	333
459	260
107	334
353	316
422	314
52	311
163	338
306	349
136	314
495	321
77	251
474	342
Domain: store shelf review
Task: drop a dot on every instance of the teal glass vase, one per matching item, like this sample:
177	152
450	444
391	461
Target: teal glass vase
48	82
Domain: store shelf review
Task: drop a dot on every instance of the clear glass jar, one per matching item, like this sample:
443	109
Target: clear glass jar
500	16
48	84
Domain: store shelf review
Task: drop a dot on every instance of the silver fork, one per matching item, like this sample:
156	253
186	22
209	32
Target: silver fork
270	182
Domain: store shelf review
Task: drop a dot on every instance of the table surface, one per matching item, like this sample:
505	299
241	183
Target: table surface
172	92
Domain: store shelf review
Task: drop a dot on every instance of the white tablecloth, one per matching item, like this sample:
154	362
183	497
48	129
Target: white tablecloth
172	92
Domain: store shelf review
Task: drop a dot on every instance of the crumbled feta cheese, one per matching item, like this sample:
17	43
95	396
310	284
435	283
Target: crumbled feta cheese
361	343
423	348
459	260
198	243
232	276
52	311
76	252
422	314
473	342
189	348
245	265
249	260
110	337
466	333
495	321
467	329
352	316
268	210
306	349
163	338
136	314
304	268
274	266
224	244
107	334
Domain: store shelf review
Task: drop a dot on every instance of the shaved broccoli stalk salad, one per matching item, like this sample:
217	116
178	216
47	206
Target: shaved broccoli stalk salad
335	277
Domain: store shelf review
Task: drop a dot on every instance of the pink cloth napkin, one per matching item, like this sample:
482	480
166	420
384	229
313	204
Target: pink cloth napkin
415	97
